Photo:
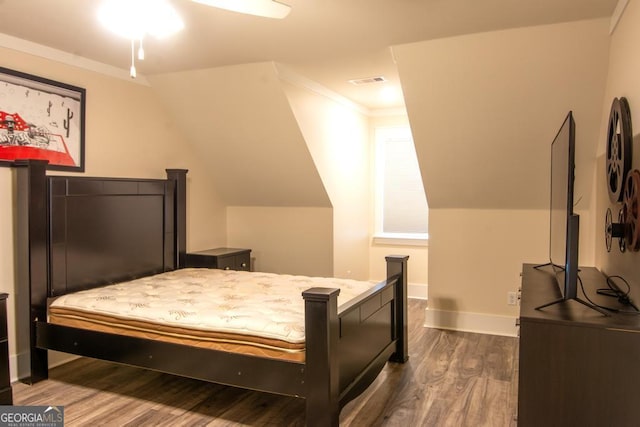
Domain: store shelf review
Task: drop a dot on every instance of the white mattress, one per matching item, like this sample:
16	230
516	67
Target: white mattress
239	302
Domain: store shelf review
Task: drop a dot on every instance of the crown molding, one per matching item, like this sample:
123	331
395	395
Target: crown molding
386	112
289	76
25	46
284	73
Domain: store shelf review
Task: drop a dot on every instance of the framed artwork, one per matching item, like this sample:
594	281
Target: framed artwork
41	119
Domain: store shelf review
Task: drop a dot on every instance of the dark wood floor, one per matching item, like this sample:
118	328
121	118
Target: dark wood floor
451	379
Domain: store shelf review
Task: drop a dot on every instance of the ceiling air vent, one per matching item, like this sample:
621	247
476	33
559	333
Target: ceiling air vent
377	79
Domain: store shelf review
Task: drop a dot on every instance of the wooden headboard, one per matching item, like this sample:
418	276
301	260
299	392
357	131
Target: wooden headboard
76	232
104	231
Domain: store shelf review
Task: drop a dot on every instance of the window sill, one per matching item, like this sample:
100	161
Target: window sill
399	239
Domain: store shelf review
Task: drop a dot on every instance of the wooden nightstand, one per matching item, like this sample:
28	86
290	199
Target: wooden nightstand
222	258
6	395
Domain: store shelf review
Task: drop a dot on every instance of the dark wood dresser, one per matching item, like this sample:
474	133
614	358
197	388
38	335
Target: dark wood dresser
6	395
577	367
222	258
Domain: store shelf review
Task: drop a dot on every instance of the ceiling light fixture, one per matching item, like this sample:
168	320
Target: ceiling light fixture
133	19
264	8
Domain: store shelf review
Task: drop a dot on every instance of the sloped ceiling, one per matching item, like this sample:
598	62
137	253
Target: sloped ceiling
484	109
239	120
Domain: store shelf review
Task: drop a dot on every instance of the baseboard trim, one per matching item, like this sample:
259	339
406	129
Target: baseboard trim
471	322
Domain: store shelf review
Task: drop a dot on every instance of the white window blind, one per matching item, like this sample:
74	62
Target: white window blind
401	203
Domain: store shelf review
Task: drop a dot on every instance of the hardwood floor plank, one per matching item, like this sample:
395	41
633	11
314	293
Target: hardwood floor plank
451	379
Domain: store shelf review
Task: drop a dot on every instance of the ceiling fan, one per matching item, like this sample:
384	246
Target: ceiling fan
264	8
134	19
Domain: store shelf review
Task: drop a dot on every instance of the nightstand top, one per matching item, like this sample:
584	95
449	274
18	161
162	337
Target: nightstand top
221	251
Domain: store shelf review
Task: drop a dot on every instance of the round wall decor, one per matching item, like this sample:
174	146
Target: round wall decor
630	210
619	142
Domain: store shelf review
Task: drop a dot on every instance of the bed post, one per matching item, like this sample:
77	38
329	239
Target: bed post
321	357
179	176
32	262
397	265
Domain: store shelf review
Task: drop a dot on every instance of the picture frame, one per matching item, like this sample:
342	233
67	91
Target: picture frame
41	119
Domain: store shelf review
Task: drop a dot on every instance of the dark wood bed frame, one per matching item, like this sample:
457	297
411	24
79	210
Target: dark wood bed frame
79	232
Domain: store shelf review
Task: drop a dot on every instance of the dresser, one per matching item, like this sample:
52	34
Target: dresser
577	367
222	258
6	395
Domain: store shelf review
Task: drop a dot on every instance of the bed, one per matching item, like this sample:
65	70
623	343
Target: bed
83	234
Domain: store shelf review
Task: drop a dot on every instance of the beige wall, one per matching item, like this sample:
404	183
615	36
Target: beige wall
418	265
484	109
478	255
142	145
338	139
624	69
284	240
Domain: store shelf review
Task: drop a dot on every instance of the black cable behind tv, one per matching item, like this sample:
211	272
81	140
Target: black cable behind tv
567	276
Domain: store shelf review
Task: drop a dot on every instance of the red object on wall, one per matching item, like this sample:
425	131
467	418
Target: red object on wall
22	152
14	152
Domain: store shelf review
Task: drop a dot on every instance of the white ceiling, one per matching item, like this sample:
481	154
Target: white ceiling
327	41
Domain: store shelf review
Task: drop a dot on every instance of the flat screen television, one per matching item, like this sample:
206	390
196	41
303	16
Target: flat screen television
564	224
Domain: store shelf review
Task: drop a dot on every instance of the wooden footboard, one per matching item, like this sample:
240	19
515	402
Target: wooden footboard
347	347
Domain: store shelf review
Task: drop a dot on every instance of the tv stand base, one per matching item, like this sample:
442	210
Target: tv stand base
581	301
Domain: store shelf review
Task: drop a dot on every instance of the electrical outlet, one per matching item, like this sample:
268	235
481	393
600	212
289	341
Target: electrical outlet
512	298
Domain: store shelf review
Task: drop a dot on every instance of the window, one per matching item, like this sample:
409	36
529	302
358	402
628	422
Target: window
402	213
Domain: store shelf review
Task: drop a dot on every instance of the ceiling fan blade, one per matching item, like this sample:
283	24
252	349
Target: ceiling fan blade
264	8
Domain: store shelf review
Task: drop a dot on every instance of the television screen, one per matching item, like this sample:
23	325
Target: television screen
564	224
